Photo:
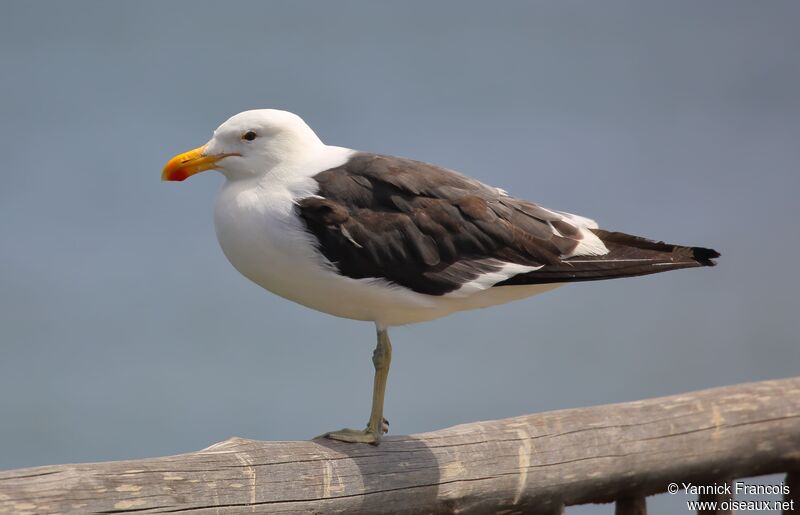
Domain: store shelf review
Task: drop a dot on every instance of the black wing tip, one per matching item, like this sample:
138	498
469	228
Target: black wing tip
705	256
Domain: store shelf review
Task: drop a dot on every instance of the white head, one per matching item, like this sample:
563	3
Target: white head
249	144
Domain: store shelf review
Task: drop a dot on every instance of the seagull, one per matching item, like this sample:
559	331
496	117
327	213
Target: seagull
391	240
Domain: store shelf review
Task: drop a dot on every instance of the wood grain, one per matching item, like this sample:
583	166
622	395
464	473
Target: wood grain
529	464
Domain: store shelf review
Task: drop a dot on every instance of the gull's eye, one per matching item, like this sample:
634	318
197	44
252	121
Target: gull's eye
249	136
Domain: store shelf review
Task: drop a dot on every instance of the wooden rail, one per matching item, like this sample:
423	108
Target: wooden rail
530	464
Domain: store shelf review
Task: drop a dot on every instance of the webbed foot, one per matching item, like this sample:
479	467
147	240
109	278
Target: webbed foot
367	435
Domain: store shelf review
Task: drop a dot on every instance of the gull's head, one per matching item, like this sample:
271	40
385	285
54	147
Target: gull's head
249	144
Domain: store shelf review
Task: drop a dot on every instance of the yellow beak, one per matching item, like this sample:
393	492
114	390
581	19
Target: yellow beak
185	165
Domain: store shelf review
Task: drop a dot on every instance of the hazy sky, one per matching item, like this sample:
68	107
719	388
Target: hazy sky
125	333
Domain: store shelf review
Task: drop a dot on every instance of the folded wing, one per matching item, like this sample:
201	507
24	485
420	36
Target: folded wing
437	232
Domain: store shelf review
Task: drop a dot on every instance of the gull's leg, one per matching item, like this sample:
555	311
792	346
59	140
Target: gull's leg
381	359
377	425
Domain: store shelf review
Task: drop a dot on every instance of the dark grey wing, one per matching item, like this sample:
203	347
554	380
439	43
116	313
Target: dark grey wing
434	231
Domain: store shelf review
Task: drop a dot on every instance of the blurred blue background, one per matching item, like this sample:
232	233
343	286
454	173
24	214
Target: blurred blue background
125	333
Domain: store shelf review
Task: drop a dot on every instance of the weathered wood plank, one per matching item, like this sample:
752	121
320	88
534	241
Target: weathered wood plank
793	495
531	464
631	506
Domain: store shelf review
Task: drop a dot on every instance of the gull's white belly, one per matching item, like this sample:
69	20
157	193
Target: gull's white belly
267	243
